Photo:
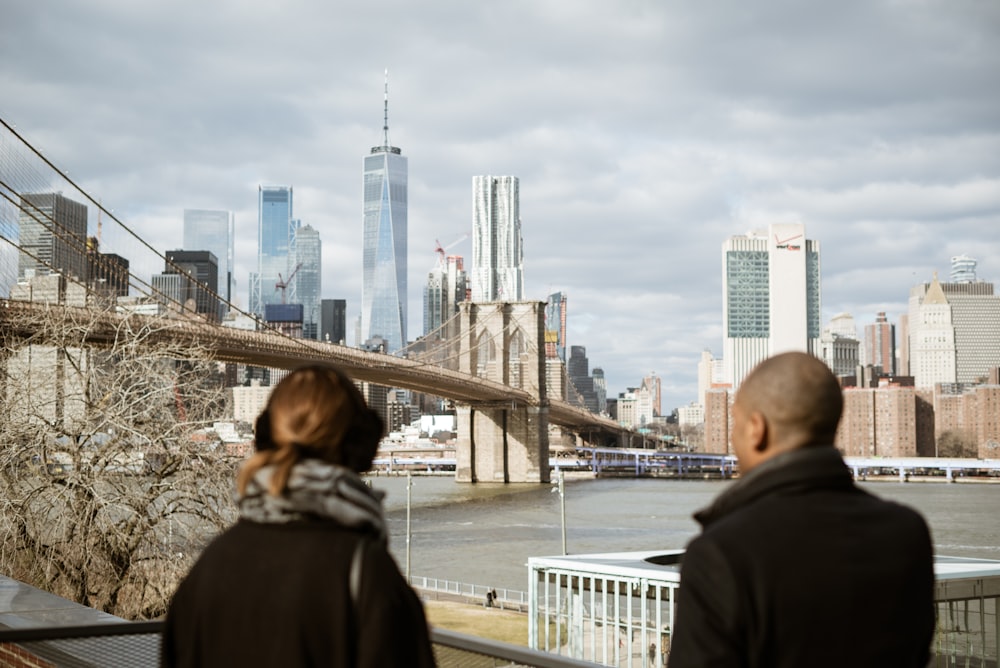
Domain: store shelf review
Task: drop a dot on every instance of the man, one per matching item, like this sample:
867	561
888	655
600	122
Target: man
796	566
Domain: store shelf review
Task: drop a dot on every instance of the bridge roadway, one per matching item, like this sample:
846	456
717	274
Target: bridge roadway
272	349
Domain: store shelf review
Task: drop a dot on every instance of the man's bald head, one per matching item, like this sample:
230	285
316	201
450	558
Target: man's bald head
799	397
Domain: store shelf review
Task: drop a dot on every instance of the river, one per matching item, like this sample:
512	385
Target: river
484	533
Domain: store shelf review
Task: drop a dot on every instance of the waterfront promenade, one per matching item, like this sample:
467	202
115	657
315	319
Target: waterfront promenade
639	463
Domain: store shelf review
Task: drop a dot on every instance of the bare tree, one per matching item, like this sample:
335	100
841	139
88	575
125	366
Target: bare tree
109	487
956	443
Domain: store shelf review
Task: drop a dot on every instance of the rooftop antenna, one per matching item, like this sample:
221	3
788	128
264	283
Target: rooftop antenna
385	124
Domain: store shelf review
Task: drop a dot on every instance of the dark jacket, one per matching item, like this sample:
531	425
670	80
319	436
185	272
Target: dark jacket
796	566
277	595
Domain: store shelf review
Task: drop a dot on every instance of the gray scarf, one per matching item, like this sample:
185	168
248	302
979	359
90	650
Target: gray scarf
315	489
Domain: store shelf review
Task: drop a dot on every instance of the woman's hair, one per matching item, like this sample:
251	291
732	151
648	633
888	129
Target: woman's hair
314	412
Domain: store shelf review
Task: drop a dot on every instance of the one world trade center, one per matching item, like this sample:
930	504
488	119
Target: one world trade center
383	291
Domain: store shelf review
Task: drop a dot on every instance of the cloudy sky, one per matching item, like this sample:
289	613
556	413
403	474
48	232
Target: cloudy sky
643	132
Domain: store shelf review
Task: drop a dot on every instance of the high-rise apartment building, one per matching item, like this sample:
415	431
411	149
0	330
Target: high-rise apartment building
275	247
967	420
711	374
384	265
880	344
718	422
555	326
212	230
447	287
880	422
953	332
53	234
497	258
771	297
308	278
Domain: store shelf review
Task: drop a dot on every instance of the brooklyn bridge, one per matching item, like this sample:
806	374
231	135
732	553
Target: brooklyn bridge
489	360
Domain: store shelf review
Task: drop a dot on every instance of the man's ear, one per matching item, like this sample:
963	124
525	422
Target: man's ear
757	431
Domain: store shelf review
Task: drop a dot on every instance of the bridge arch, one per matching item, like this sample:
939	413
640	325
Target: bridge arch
507	440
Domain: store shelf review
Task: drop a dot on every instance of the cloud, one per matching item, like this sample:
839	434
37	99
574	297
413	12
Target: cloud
644	133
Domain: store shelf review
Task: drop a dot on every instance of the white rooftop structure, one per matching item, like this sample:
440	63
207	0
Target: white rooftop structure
617	609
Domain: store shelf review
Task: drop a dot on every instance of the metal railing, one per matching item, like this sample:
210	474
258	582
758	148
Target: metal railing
502	596
137	644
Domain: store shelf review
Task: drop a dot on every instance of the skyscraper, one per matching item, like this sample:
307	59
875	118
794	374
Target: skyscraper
333	320
211	230
953	332
446	288
109	272
53	229
600	389
275	245
555	326
308	278
880	344
201	269
578	369
383	287
933	346
771	297
653	385
497	259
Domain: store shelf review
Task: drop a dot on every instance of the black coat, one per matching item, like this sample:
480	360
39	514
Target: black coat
278	595
796	566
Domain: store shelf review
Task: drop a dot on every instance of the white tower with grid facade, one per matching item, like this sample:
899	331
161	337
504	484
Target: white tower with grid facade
771	297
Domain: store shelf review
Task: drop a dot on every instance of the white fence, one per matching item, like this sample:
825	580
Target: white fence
502	596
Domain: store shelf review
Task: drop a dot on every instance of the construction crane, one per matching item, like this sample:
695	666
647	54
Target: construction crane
283	283
440	250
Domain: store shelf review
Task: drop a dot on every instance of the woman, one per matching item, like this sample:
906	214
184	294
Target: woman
304	578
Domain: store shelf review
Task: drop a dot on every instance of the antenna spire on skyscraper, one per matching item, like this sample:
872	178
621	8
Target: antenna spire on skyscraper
386	147
385	124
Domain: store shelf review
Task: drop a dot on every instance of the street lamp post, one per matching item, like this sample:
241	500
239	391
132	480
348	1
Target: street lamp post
409	486
561	490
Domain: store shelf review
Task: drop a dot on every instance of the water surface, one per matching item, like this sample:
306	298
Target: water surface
484	533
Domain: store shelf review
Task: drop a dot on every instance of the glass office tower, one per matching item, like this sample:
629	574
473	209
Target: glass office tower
383	288
210	230
308	278
54	232
275	246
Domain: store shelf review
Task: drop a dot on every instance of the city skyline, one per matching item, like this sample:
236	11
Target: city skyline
643	136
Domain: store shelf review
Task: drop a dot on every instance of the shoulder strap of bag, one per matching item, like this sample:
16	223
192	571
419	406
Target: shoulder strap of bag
354	583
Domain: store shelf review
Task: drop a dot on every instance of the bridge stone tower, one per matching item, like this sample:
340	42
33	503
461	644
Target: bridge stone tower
504	441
